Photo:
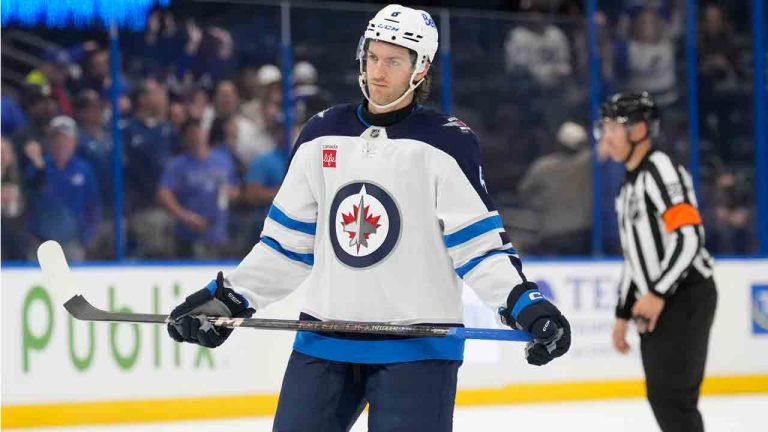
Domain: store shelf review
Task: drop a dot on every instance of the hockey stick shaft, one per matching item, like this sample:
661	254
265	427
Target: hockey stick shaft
81	309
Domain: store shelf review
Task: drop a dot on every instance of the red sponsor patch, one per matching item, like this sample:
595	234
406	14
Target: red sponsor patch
329	158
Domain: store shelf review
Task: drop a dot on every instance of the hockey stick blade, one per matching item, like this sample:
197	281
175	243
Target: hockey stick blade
79	307
55	269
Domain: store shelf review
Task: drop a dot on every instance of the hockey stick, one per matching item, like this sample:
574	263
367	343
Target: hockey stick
55	267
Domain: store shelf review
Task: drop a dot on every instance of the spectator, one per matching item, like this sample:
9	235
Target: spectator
12	116
95	142
241	215
646	62
229	143
718	80
54	73
156	51
605	44
538	55
208	56
730	216
226	104
265	174
198	104
148	141
95	145
194	36
12	224
40	108
196	189
177	115
671	11
309	98
558	187
717	47
64	204
148	144
273	130
256	84
98	77
96	74
539	50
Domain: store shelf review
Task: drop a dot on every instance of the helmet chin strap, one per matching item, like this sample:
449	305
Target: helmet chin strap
633	143
409	90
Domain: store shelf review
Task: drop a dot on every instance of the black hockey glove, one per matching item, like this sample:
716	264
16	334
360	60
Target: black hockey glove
189	322
528	310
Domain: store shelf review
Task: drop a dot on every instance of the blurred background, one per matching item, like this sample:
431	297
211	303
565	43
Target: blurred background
96	130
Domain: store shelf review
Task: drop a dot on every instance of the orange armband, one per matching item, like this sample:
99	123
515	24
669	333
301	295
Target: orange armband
681	215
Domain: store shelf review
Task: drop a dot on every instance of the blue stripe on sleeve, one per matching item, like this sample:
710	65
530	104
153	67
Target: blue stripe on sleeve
283	219
308	259
478	228
471	264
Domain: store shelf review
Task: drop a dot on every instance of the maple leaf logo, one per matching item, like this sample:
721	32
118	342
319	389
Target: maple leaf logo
359	227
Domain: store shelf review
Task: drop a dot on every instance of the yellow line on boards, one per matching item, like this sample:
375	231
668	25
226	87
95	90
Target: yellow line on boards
215	407
137	411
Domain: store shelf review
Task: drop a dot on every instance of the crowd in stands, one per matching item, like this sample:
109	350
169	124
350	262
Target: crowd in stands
641	45
202	127
203	145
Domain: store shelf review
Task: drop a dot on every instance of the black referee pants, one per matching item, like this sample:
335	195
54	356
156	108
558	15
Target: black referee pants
674	356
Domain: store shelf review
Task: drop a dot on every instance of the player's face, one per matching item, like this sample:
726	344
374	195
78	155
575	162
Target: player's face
388	70
613	140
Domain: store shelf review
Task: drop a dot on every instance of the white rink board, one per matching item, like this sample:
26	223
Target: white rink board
47	357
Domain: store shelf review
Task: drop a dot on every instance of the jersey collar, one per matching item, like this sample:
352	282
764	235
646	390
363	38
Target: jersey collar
632	175
369	119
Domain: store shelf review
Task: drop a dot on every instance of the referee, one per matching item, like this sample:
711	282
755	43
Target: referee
666	285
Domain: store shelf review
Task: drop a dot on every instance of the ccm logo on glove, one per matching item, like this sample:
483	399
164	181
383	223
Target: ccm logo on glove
528	310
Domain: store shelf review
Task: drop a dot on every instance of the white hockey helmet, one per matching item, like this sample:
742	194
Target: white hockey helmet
408	28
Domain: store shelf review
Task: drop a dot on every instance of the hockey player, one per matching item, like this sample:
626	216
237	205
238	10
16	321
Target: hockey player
667	284
383	212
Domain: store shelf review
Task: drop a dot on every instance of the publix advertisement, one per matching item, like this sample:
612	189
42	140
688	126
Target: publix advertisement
47	357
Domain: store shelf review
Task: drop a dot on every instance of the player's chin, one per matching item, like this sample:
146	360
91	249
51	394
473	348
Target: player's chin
381	100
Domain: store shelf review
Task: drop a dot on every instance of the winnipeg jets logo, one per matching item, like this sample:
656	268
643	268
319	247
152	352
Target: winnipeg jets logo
366	224
359	224
455	122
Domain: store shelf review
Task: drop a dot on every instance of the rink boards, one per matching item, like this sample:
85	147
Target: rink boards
56	371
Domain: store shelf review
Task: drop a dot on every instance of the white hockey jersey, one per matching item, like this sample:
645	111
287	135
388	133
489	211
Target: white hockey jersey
381	224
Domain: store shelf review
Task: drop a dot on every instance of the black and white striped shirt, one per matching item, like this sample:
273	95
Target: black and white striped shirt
661	232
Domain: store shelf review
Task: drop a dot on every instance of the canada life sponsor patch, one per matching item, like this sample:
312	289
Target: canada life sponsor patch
365	224
329	155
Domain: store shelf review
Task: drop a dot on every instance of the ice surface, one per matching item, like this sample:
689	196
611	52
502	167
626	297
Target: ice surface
721	414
